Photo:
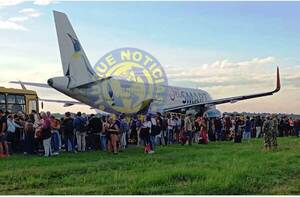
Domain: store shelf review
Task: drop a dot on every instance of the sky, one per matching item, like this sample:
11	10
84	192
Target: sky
225	48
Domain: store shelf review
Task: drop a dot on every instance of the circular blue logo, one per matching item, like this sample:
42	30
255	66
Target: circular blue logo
132	80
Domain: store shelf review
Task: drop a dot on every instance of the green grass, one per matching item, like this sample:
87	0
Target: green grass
217	168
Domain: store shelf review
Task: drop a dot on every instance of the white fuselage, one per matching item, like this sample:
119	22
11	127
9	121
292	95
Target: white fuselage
120	96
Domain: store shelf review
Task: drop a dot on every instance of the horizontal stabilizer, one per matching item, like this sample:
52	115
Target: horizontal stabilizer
41	85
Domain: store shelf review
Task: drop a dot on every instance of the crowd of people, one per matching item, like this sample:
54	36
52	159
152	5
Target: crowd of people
44	134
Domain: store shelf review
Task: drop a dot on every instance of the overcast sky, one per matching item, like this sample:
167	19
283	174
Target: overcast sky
225	48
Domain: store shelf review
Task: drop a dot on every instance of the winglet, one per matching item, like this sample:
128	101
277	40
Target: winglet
278	85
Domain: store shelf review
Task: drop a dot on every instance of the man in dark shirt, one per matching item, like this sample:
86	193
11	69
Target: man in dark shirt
68	131
95	128
258	126
3	127
80	131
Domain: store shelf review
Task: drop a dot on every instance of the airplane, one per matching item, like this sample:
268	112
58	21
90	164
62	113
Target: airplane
81	83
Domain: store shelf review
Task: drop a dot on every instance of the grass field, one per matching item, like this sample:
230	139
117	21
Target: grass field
217	168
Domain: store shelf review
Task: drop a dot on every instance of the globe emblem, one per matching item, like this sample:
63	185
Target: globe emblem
136	77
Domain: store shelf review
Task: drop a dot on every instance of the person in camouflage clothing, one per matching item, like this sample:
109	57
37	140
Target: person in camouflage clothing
274	131
267	131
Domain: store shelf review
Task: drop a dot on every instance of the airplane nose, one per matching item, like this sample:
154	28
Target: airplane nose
50	82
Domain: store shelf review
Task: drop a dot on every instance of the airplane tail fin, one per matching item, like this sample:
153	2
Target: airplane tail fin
76	65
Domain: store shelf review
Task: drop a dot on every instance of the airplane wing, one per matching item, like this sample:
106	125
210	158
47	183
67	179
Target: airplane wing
230	99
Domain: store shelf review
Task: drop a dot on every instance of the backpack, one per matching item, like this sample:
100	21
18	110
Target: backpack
68	126
80	124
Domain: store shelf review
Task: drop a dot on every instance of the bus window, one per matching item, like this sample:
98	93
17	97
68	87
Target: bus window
2	102
32	105
11	99
14	108
20	99
15	103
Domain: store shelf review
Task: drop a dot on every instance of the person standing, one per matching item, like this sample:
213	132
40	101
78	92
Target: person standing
145	134
155	130
133	129
247	131
286	126
95	127
113	131
160	137
29	135
171	127
67	129
297	127
46	134
188	128
237	137
218	126
227	124
38	139
79	126
3	127
211	129
203	136
10	133
177	128
197	128
274	131
123	131
267	131
104	133
258	126
55	139
164	128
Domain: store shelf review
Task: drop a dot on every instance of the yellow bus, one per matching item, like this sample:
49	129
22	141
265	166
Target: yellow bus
15	100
